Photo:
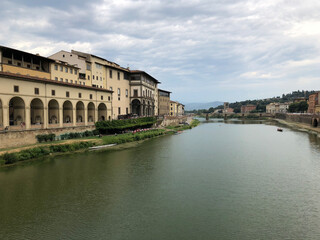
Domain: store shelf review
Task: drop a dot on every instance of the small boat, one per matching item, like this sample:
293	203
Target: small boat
280	130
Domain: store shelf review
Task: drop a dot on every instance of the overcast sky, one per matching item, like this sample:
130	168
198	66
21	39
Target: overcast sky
201	50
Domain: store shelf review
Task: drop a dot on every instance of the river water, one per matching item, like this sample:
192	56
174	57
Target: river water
216	181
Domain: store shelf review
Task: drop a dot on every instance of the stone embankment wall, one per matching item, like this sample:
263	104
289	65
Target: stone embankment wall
173	121
20	138
294	117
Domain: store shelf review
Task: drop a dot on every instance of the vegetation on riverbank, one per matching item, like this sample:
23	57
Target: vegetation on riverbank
194	123
27	154
117	126
130	137
41	150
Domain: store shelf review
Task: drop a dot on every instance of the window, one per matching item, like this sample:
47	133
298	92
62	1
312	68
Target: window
56	67
66	69
90	96
36	91
67	94
75	71
67	80
61	79
88	77
16	88
99	66
118	98
63	55
119	110
110	73
80	95
100	78
109	98
88	67
101	97
135	93
71	81
92	77
76	82
56	78
118	91
53	92
127	93
84	83
71	70
61	69
118	75
127	111
110	88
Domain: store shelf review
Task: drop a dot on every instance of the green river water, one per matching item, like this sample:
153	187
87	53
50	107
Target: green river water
216	181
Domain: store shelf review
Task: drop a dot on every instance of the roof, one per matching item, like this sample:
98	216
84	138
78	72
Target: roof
117	66
44	80
161	90
65	63
143	72
26	53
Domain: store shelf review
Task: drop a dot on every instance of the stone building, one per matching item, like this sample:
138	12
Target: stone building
173	108
180	109
248	108
277	108
314	103
164	102
144	93
101	73
37	103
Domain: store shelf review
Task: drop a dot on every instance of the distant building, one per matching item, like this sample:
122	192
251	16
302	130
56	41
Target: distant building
248	108
180	109
277	108
314	104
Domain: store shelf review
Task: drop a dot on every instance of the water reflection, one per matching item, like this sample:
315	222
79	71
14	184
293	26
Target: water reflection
222	180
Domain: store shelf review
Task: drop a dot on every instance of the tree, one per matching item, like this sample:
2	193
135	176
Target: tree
298	107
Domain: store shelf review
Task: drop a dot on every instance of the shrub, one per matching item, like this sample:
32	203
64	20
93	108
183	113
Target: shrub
117	126
46	137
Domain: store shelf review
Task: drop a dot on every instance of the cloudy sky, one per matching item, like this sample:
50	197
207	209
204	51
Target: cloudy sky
201	50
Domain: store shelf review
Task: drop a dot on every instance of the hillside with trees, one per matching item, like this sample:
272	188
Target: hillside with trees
260	103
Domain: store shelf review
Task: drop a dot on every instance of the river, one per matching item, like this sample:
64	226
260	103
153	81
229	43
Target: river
216	181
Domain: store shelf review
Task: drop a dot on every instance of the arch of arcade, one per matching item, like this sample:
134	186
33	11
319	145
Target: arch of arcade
35	103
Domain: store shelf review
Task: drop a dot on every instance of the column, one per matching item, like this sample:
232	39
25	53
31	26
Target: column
86	115
74	118
61	117
5	115
27	117
45	117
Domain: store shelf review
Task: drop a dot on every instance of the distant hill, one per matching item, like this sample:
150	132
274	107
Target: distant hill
196	106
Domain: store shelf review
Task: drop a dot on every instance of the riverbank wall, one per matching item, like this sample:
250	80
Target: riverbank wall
174	121
312	120
20	138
